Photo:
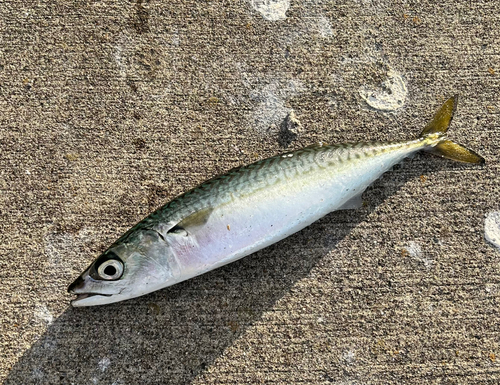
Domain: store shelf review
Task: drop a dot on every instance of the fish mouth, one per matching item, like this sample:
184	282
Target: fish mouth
86	299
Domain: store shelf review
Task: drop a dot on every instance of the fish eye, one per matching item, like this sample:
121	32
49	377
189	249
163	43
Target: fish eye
110	270
108	267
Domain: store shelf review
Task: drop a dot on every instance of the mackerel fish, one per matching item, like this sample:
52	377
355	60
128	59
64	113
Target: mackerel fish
251	207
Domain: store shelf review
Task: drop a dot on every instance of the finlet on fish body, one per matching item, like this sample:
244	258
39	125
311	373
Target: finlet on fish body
248	208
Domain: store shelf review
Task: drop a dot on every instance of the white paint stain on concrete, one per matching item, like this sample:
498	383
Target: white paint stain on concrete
121	54
292	123
324	27
49	343
272	10
104	363
492	228
120	62
272	109
415	251
59	245
390	96
37	374
176	39
56	246
43	314
311	25
349	356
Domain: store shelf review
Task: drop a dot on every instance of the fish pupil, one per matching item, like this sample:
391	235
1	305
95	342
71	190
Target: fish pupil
110	270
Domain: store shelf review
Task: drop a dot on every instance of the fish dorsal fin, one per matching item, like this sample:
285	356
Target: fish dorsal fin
354	203
196	219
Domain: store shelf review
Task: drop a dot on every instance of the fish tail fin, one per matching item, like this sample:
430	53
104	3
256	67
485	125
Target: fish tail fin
435	134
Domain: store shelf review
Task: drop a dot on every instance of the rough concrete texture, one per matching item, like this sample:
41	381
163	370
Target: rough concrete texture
112	108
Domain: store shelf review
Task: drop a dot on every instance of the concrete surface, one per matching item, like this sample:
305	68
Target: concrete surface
111	108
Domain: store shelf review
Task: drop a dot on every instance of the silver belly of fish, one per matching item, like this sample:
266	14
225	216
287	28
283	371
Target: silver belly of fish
247	209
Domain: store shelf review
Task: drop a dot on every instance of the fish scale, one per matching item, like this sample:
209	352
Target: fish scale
248	208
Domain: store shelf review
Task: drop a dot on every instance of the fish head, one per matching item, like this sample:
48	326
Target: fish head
139	264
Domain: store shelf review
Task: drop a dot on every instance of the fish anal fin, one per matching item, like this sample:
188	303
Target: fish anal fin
353	203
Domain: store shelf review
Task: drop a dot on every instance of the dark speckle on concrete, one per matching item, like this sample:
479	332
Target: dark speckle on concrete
141	16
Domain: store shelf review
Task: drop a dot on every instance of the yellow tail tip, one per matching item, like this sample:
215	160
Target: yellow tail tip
442	118
454	151
445	148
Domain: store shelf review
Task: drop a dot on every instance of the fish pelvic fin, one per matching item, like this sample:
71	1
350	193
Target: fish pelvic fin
435	134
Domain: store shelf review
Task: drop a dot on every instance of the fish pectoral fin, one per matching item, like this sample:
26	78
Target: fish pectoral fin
181	240
196	219
185	229
354	203
178	230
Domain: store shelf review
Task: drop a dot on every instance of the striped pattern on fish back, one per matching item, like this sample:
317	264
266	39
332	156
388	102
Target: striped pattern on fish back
263	173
